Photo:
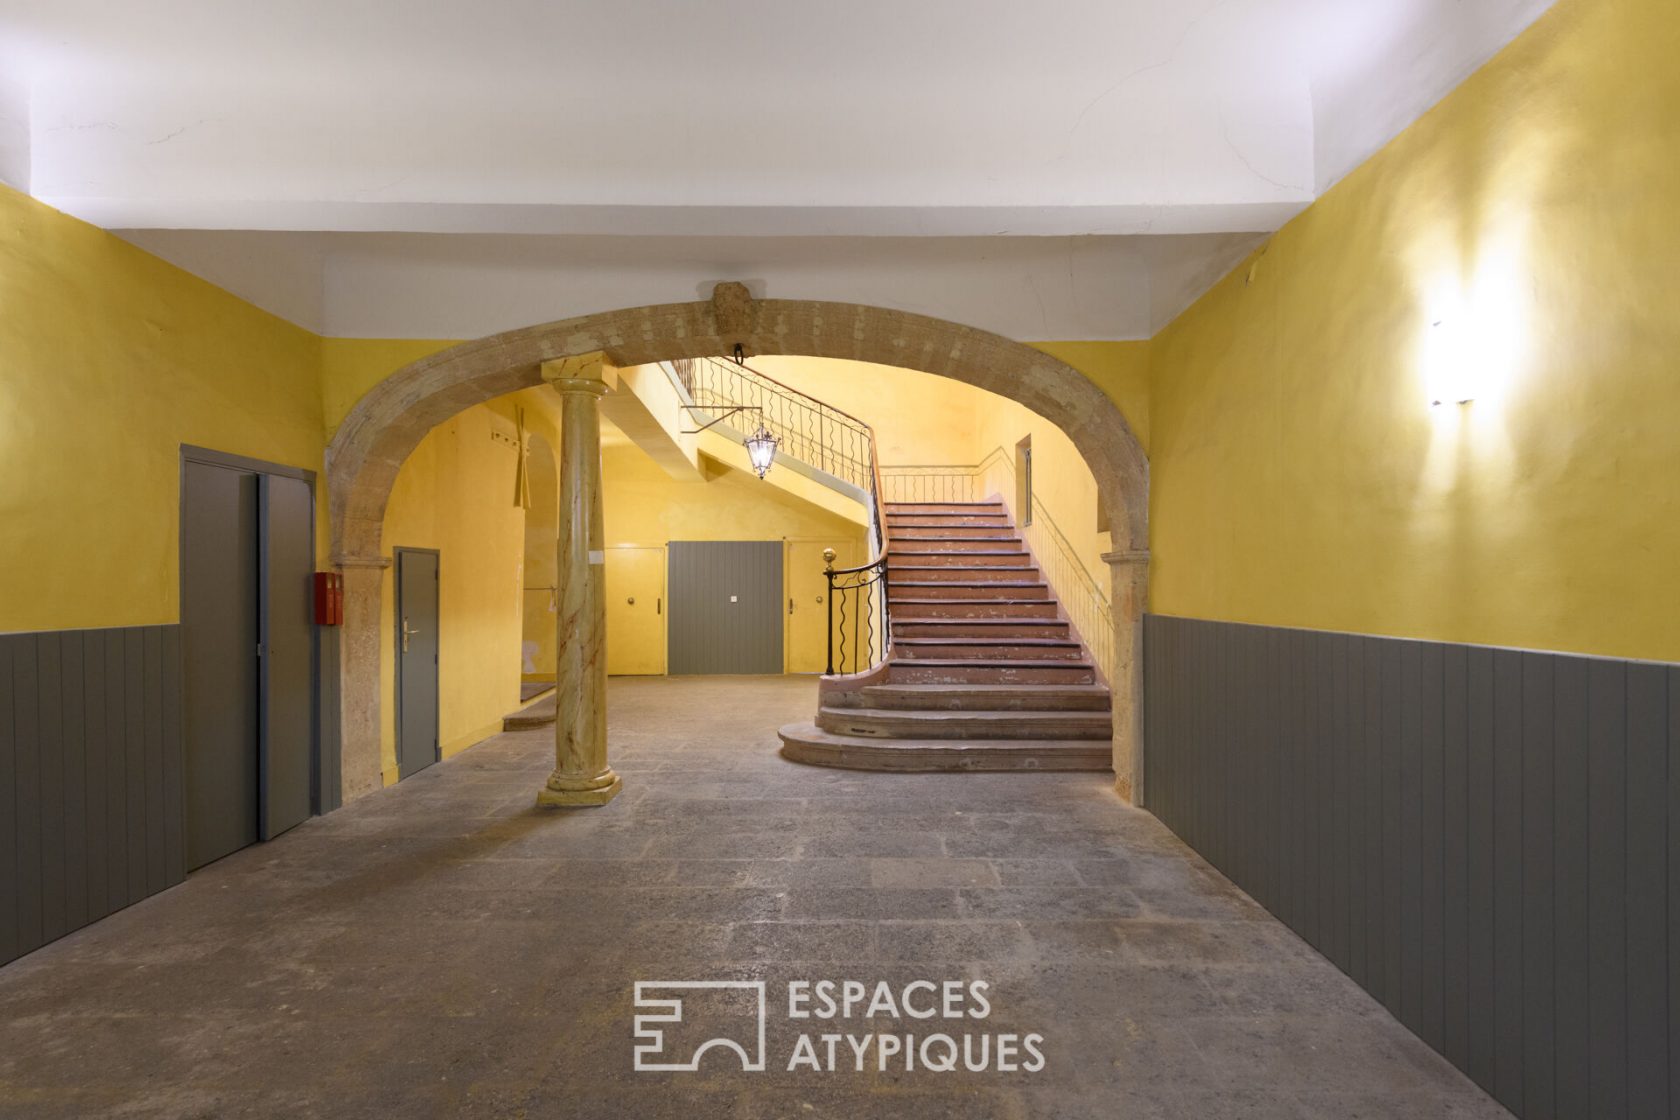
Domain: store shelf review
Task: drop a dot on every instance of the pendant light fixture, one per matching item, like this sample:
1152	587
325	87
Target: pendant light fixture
761	449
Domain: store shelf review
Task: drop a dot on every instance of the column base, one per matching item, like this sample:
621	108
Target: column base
568	792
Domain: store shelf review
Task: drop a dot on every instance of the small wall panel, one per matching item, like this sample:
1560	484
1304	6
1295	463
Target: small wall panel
90	763
1488	841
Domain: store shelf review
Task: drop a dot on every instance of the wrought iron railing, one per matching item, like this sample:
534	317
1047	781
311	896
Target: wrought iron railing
859	625
1081	596
812	431
838	444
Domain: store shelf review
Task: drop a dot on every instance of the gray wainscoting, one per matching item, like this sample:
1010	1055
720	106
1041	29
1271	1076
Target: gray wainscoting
90	777
1486	840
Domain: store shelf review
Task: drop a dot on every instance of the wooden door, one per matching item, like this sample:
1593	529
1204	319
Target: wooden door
636	611
807	601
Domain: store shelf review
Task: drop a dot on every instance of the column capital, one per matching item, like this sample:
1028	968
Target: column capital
1127	556
581	373
347	561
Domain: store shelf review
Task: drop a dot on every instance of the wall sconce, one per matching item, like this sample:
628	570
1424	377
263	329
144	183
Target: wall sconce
1448	365
761	449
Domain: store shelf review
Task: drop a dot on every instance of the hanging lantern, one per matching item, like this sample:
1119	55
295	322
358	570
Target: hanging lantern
761	449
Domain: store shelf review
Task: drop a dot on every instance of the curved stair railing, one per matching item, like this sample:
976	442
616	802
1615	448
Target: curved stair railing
1080	594
837	444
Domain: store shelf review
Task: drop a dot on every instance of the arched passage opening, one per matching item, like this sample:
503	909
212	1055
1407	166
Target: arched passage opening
390	420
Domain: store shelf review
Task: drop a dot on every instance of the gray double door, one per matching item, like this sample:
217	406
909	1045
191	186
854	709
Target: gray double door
726	607
247	655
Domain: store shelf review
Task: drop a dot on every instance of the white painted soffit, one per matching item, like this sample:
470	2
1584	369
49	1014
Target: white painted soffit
468	286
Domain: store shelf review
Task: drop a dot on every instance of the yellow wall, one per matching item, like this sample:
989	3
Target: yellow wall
454	493
539	601
1119	369
1300	476
351	366
110	359
921	419
645	505
1062	482
918	417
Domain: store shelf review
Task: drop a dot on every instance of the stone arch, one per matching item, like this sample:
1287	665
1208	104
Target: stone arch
388	423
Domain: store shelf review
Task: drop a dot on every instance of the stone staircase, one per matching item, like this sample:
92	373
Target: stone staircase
985	672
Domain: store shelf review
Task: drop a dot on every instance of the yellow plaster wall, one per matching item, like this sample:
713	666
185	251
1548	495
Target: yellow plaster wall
1062	482
110	359
1119	369
454	493
645	505
923	419
538	600
1300	476
918	417
349	367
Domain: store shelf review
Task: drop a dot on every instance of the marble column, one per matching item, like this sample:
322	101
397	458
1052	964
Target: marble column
581	774
1129	572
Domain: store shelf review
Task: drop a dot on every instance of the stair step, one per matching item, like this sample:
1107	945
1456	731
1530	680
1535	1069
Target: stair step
961	574
806	742
990	558
922	609
941	507
948	532
538	713
979	628
989	697
991	589
956	546
897	527
959	561
1018	649
962	670
898	723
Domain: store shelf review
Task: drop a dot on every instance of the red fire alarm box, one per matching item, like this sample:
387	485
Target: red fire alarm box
329	599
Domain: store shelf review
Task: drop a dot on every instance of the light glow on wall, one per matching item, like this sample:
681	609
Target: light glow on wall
1477	337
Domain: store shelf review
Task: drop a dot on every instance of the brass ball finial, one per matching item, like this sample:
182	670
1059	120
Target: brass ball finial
828	557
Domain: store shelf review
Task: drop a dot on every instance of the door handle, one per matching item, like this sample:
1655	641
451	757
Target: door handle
659	605
631	600
407	633
790	604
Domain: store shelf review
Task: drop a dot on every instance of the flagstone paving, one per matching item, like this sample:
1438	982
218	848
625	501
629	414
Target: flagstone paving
445	948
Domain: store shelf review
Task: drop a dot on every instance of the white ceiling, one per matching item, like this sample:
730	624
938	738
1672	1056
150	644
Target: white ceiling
558	151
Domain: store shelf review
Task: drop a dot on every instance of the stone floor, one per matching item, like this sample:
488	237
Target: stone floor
443	948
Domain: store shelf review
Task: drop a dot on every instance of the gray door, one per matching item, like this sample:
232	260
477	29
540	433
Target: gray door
219	636
417	660
286	684
726	607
